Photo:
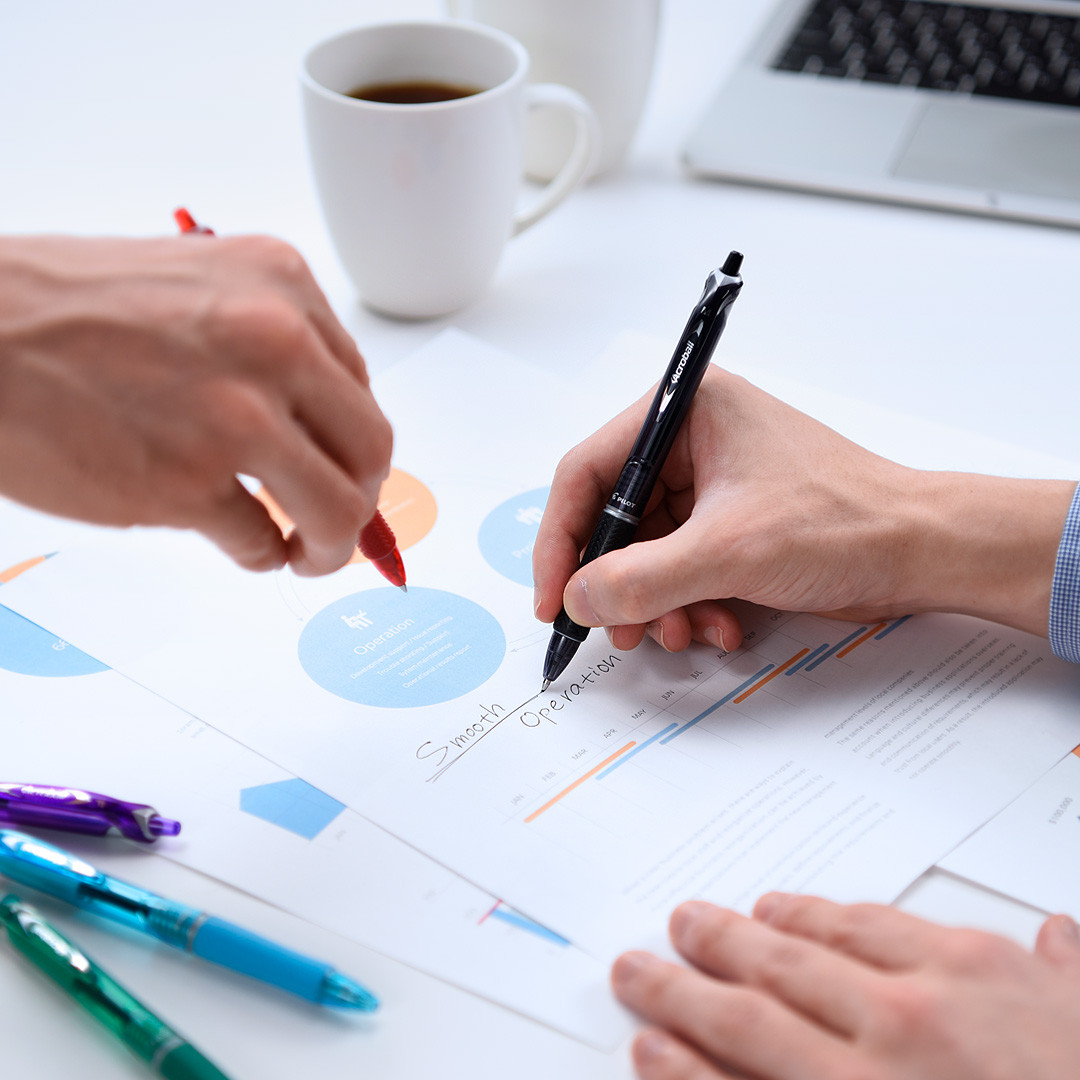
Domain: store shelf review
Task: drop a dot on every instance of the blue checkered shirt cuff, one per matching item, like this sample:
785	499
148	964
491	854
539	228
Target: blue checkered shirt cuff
1065	592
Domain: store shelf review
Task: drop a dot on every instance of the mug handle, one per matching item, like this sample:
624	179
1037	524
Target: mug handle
583	156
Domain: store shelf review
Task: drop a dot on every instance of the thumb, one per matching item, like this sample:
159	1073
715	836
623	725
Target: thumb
1059	942
641	582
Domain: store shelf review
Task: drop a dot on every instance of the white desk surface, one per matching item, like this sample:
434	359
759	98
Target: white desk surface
113	113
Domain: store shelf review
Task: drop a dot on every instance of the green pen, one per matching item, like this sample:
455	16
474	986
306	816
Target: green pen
105	999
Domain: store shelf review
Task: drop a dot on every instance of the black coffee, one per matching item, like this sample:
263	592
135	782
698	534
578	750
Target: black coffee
414	92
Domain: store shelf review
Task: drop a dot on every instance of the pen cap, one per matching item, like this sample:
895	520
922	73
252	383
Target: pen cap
162	826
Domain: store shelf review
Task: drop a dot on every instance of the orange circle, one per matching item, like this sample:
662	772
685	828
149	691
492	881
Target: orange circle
408	506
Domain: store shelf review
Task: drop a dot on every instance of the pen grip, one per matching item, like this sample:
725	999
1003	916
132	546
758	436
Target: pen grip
610	534
240	950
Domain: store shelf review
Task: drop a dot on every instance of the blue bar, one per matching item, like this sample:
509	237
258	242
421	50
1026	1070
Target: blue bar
890	629
723	701
637	750
522	923
836	648
806	659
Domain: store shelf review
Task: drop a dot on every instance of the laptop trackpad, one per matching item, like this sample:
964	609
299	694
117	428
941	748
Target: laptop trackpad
996	146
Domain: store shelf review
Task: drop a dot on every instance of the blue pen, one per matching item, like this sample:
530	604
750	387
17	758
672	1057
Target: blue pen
63	875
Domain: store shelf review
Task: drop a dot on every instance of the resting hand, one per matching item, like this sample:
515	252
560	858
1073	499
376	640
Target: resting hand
138	378
760	502
811	990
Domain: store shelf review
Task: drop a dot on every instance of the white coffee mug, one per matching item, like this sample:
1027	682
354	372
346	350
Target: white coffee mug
604	49
419	199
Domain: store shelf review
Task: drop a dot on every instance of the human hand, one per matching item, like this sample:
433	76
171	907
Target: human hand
760	502
811	990
138	378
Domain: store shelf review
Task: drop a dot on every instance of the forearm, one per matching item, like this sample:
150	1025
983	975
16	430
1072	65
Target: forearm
983	545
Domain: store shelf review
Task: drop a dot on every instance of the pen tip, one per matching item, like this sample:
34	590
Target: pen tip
345	993
546	684
404	588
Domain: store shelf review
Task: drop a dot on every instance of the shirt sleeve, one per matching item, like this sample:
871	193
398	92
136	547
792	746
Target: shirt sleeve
1065	591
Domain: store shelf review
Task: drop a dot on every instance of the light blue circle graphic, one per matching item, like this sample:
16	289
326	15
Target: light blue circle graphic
27	649
508	533
397	650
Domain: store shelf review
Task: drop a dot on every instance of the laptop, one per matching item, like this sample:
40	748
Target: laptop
961	106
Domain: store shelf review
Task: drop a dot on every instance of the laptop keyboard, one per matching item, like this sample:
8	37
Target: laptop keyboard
1026	55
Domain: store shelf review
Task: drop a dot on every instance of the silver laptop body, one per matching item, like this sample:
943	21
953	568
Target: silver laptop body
950	149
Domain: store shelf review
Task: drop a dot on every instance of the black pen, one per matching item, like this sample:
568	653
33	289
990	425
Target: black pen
620	517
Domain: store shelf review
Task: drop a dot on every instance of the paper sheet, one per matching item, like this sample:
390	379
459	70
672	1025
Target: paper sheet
70	720
842	759
1031	850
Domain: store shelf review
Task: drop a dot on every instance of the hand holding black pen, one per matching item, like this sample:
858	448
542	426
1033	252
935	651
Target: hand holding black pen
621	515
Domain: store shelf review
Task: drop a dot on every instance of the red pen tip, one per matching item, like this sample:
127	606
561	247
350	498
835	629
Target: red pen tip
377	543
188	224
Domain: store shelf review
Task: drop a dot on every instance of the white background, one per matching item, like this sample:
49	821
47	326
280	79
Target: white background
113	113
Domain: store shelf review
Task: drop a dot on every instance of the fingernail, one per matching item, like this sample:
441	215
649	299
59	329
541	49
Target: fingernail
578	605
768	905
651	1047
1069	928
655	630
715	637
537	598
629	966
685	918
688	914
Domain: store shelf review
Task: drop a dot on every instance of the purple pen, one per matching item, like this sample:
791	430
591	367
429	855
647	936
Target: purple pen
45	806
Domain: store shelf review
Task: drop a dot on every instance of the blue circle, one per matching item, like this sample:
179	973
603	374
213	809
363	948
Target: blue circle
508	533
27	649
397	650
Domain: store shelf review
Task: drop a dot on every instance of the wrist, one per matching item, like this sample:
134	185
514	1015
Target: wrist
984	546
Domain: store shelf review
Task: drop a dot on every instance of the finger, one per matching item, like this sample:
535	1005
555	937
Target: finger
241	526
738	1027
293	277
344	419
713	624
625	638
1058	941
326	506
873	933
659	1056
706	622
671	631
338	340
825	985
582	484
641	582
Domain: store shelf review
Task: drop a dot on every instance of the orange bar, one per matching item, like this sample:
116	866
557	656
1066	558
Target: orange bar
580	780
859	640
14	571
772	675
1076	751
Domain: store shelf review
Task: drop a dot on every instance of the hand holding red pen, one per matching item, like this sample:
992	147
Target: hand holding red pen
139	378
376	541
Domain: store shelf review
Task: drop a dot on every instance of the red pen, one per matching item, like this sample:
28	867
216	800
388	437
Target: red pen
376	542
